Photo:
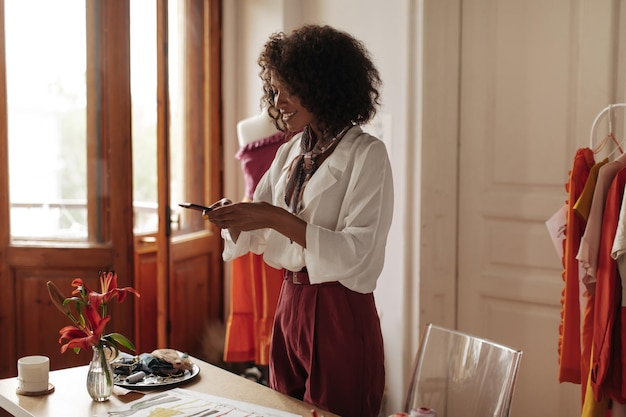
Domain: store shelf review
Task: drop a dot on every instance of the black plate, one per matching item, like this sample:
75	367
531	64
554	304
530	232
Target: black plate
151	381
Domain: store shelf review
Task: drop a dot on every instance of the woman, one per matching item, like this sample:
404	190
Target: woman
322	212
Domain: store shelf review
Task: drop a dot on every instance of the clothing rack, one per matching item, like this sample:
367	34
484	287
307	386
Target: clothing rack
607	110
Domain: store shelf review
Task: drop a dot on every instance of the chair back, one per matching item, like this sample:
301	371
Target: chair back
459	375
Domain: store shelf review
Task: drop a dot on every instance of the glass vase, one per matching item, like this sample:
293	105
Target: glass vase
100	376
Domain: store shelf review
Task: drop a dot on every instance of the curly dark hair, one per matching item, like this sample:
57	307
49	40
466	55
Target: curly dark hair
330	71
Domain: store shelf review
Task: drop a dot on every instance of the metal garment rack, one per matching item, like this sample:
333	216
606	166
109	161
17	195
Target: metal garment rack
608	110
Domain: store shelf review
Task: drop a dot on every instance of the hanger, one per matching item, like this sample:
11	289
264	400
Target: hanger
609	111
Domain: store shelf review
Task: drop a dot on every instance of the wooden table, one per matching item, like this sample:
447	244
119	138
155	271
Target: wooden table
70	397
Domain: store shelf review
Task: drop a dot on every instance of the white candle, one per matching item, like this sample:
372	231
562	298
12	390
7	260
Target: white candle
32	373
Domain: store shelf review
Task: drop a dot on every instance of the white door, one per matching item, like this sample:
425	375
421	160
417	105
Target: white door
533	76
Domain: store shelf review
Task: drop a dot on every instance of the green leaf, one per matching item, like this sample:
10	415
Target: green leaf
120	339
111	346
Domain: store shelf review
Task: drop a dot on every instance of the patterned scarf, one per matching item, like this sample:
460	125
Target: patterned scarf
302	168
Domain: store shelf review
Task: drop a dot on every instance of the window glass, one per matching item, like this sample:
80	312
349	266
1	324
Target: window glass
46	94
143	71
144	104
177	85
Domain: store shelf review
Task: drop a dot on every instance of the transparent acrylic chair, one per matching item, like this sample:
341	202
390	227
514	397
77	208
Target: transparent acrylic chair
459	375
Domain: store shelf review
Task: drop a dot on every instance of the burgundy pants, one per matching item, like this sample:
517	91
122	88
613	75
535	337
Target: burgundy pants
327	349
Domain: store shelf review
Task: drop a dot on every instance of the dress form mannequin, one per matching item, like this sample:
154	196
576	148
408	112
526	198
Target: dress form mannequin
259	139
255	128
255	286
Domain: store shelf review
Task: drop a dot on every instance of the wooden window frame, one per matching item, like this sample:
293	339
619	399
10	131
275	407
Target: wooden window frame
24	267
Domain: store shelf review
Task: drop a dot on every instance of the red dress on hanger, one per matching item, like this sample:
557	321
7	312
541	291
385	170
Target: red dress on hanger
608	335
569	330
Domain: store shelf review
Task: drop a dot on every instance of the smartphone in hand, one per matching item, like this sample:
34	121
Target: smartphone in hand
193	206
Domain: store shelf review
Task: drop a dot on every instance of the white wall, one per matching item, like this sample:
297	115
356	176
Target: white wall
388	30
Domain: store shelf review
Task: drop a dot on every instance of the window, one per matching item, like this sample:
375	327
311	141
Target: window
46	100
47	117
143	82
90	123
144	106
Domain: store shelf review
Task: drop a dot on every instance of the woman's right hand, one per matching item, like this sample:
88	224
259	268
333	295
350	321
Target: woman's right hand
215	206
238	217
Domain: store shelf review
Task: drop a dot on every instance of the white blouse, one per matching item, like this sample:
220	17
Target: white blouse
348	207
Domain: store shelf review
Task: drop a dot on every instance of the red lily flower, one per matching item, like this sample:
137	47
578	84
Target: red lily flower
77	338
86	335
109	290
78	283
94	320
89	324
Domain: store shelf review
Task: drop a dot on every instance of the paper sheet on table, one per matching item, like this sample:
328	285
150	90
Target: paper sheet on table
186	403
